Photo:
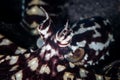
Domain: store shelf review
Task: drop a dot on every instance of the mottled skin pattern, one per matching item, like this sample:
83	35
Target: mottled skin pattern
64	53
8	47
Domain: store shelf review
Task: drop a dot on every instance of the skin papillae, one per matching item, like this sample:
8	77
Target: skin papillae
64	55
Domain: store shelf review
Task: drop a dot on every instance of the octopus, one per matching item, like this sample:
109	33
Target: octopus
65	54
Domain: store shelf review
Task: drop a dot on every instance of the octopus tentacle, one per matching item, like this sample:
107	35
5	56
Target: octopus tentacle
9	47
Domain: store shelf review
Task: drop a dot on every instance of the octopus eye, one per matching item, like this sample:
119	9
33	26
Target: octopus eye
77	55
63	37
64	31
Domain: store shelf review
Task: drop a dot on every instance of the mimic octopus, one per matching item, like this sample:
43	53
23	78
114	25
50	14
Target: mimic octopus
65	54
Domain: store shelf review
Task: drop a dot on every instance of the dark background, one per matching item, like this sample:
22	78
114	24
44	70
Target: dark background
10	12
